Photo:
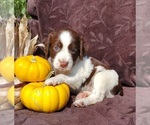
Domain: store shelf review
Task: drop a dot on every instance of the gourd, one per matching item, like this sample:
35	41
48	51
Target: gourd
10	95
13	96
31	68
7	68
35	96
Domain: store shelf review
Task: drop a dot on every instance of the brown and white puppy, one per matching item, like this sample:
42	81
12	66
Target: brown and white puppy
87	77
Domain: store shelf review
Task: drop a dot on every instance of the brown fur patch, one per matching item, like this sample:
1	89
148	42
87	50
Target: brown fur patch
89	78
98	63
117	90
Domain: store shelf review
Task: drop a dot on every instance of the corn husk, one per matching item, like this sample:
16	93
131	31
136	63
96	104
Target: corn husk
16	42
2	38
26	44
31	46
10	37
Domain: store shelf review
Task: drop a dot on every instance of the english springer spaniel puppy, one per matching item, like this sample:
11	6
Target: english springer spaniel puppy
87	77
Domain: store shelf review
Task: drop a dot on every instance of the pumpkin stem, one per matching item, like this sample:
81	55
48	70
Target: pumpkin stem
50	74
33	59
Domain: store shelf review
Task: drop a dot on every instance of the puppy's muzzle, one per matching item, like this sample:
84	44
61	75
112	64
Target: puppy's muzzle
63	64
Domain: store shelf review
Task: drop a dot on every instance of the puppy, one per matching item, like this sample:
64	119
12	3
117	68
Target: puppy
87	77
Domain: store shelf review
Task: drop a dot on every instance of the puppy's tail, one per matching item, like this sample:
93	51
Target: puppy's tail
117	90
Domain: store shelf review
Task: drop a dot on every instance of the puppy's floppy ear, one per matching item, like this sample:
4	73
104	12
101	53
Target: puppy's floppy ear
43	49
82	48
39	50
47	43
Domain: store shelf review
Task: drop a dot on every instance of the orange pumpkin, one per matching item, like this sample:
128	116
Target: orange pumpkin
10	95
37	97
32	68
7	68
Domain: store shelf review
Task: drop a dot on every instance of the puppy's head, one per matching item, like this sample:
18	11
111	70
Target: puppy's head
64	48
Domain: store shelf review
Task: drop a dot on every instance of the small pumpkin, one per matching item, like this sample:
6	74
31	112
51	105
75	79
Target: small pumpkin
10	95
7	68
37	97
32	68
13	96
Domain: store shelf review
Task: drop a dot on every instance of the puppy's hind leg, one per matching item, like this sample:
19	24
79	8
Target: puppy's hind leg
97	95
93	98
83	94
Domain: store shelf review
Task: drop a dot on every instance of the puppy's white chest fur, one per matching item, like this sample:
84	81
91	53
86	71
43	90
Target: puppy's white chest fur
80	72
77	75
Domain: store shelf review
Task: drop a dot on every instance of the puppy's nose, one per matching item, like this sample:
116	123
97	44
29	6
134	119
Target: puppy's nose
63	64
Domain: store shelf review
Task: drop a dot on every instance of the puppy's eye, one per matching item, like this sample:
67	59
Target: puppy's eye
56	48
73	51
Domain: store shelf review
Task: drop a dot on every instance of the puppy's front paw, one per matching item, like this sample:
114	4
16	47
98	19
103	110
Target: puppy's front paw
79	103
53	81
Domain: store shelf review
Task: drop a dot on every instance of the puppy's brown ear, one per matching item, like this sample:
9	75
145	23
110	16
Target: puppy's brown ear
47	44
39	50
82	48
43	49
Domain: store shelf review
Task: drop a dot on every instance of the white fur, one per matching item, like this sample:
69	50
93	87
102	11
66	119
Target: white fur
101	83
78	74
64	55
65	37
